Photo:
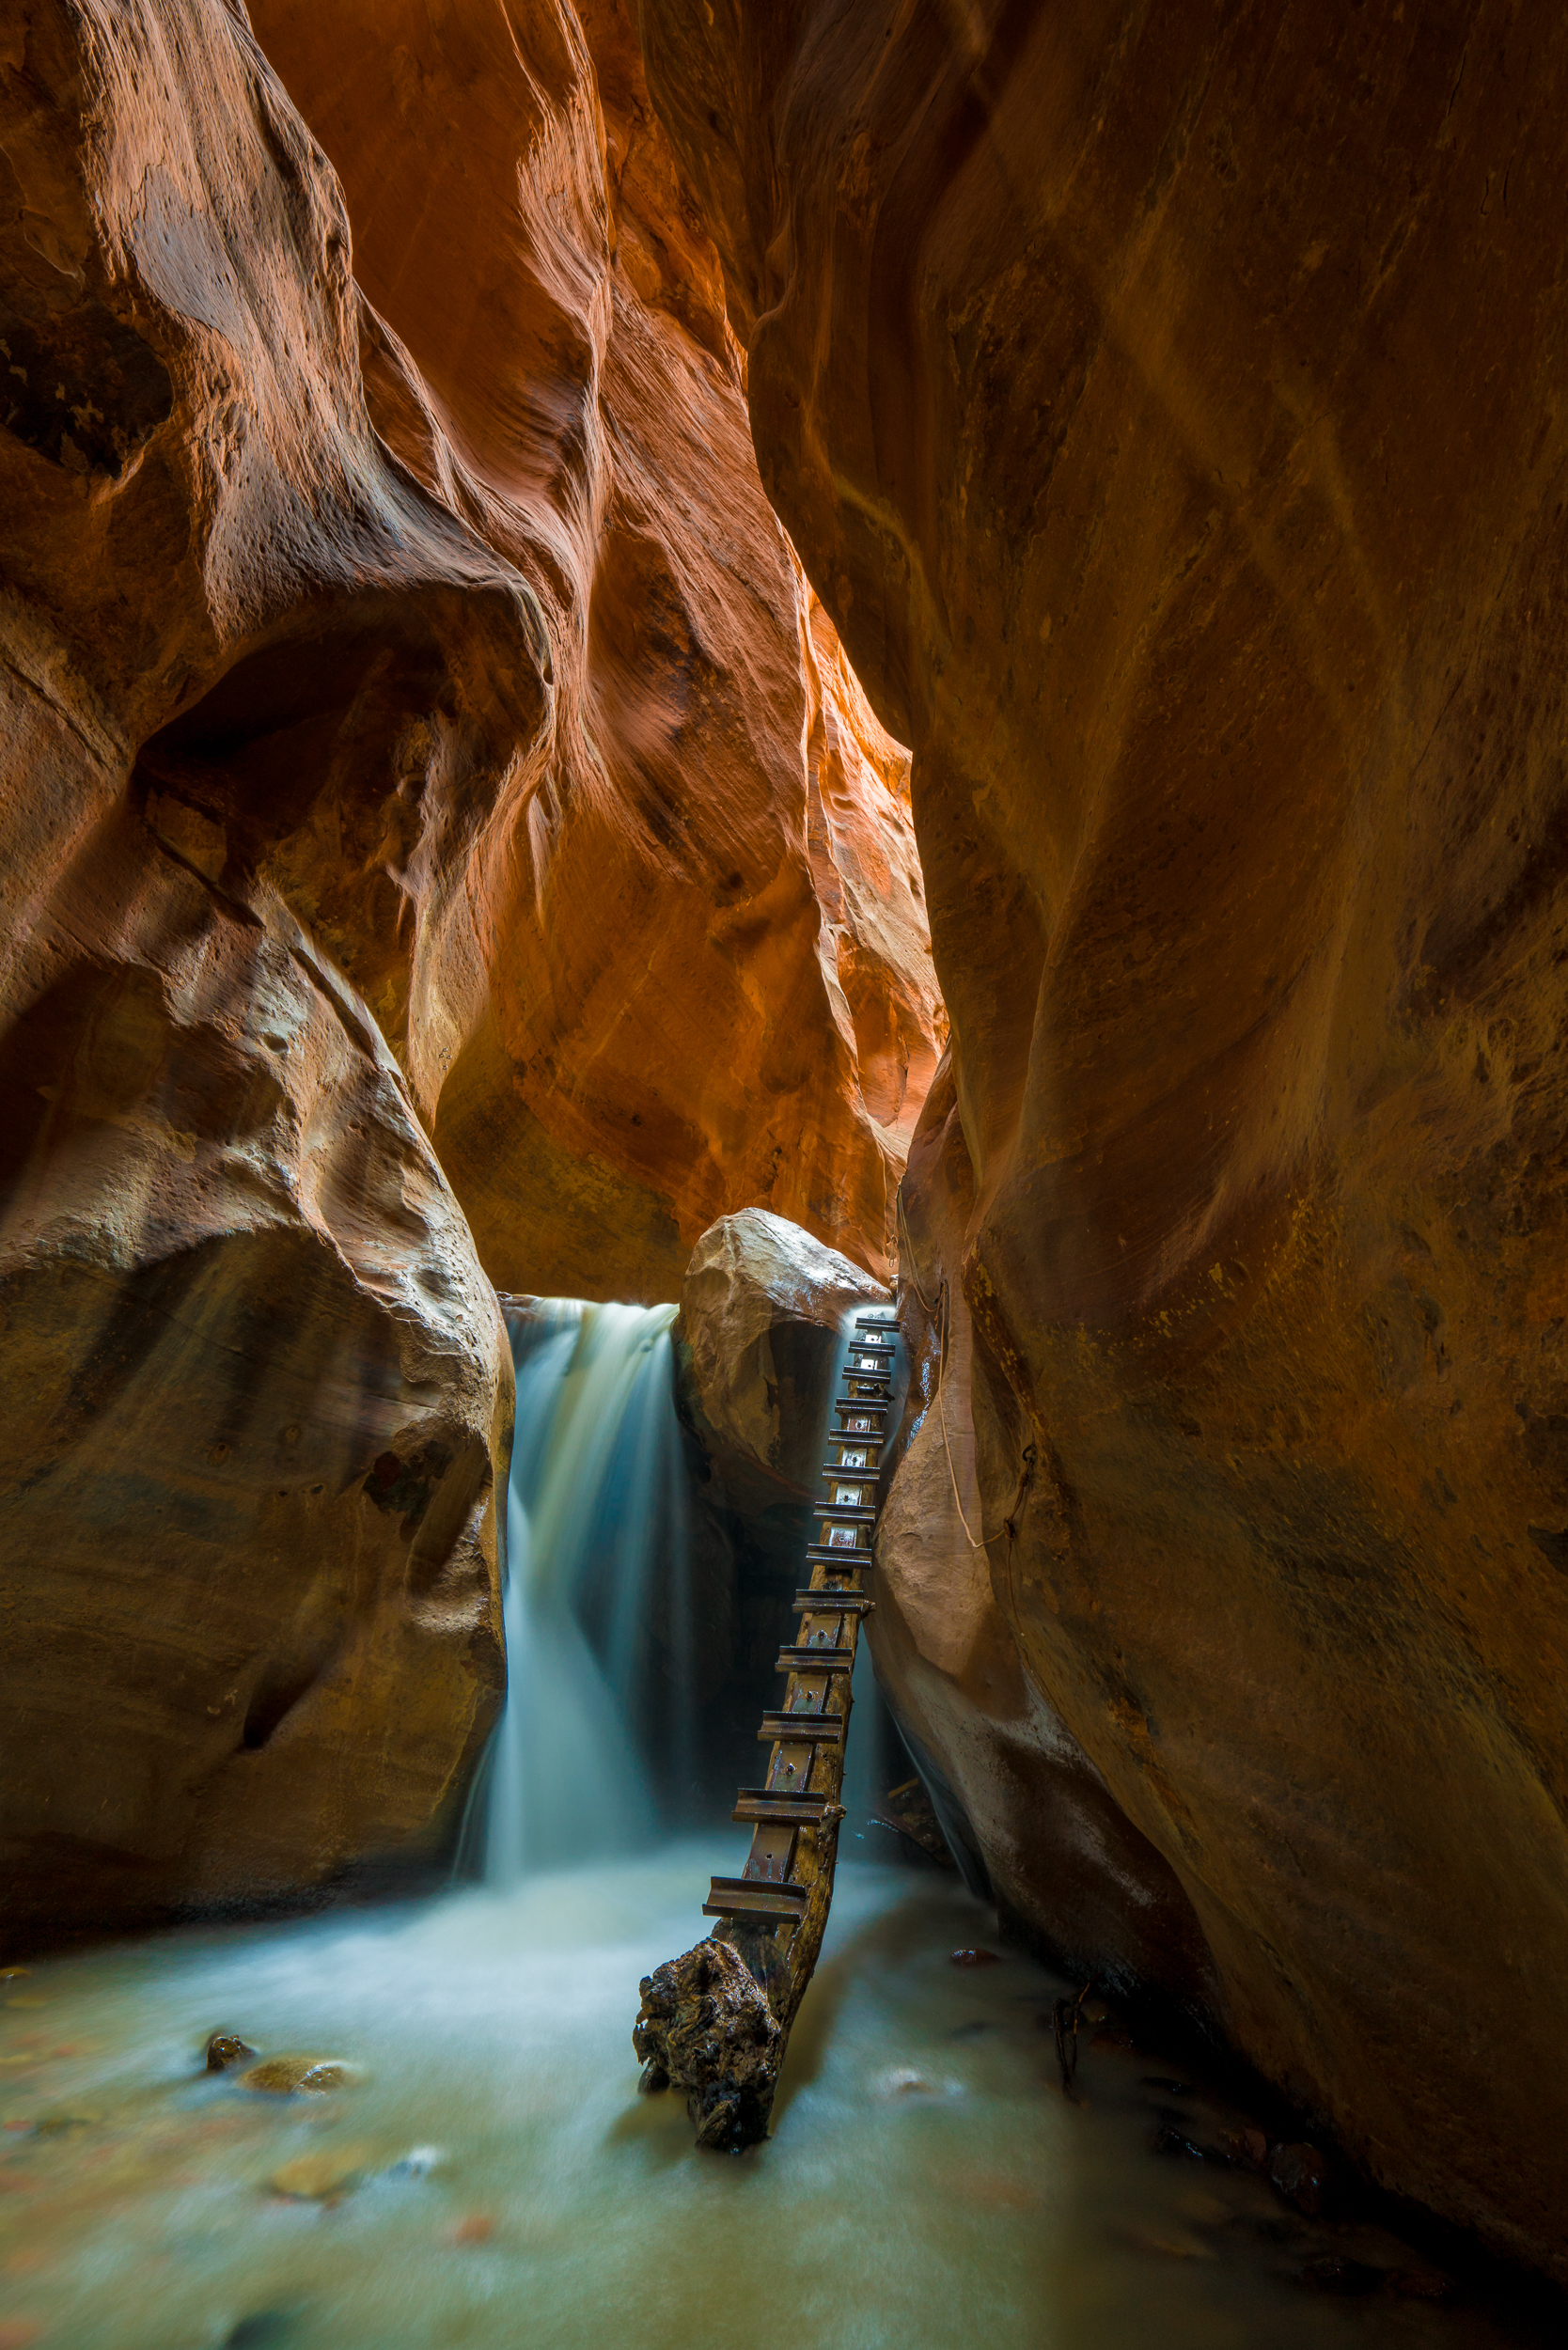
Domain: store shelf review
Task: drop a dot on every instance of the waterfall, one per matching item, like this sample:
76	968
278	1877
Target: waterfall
597	1604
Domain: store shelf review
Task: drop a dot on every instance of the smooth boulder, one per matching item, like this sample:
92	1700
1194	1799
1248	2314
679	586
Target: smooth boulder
761	1308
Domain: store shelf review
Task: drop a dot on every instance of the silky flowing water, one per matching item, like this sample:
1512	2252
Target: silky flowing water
595	1499
493	2180
500	2182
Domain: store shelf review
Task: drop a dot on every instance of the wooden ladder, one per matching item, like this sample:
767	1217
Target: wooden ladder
787	1884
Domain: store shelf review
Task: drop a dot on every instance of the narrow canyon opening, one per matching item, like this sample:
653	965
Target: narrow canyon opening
782	1204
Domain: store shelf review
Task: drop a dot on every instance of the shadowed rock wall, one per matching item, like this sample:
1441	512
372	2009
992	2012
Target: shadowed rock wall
1164	405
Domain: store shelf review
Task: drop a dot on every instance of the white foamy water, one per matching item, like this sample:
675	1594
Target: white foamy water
927	2186
596	1496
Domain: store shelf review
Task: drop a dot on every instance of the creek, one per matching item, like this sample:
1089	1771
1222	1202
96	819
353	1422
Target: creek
488	2176
500	2182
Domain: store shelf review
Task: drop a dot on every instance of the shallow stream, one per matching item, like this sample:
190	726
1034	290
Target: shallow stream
496	2181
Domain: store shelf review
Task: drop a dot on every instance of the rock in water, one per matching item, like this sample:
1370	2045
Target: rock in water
302	2075
706	2025
321	2178
226	2049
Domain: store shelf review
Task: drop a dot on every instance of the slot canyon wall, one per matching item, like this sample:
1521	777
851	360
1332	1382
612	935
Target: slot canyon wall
1166	406
443	845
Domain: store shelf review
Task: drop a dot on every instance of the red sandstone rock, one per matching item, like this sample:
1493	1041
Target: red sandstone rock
1162	406
1065	1863
761	1308
254	1382
682	966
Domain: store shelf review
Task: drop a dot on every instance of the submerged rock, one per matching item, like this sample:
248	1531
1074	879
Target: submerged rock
302	2075
706	2025
321	2178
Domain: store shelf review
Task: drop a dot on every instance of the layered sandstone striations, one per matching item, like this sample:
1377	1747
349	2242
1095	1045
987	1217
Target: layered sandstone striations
255	1382
686	968
1165	406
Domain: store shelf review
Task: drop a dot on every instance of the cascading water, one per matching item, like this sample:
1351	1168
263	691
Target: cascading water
597	1607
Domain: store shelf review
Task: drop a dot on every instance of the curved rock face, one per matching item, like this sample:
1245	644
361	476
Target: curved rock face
255	1381
1018	1794
686	968
1162	407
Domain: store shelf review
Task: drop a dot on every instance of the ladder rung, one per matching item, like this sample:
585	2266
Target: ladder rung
777	1804
843	1514
754	1897
836	1603
814	1660
802	1730
848	1557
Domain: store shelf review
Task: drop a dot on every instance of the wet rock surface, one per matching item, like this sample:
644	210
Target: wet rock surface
907	1812
1028	1815
706	2029
302	2075
225	2050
